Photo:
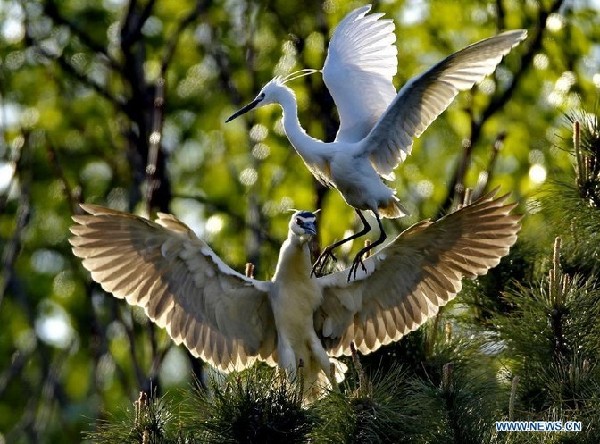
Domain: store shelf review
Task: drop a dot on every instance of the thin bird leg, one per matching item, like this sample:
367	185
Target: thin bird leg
327	253
358	258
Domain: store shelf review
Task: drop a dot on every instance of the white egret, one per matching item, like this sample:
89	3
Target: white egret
377	125
232	321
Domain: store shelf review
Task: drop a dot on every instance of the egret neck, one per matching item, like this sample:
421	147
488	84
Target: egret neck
294	259
312	150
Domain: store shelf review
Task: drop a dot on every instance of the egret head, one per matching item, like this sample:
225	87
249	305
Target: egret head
270	93
303	223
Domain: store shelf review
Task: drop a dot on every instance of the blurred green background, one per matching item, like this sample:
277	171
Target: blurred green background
82	106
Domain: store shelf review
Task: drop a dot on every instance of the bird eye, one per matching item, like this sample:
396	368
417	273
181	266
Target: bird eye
298	221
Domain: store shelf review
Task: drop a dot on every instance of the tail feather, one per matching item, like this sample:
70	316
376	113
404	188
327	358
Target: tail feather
393	209
317	383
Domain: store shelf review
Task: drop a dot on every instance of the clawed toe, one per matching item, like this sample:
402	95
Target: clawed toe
354	268
319	265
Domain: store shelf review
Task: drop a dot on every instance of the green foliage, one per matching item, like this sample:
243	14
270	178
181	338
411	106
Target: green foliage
579	198
150	422
255	406
553	335
554	351
364	410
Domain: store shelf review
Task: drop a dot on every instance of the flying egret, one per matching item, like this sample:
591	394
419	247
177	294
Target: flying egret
377	125
232	321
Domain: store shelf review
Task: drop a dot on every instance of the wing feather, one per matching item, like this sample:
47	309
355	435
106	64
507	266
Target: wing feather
426	96
358	71
183	286
408	280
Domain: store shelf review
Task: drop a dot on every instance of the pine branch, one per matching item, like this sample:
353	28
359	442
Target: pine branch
256	405
558	287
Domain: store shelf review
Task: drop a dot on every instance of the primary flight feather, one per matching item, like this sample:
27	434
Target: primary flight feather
232	321
377	124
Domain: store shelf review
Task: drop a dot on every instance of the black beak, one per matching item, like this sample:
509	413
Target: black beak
310	228
245	109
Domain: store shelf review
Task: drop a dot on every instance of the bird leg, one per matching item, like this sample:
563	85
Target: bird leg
358	258
332	379
327	253
299	380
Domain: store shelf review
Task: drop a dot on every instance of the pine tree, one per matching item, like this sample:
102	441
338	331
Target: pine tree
550	332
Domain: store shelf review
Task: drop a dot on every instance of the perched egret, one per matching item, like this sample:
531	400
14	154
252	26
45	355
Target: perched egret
232	321
377	125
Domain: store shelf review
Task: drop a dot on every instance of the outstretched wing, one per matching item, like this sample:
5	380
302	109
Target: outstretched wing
425	97
218	314
407	281
360	65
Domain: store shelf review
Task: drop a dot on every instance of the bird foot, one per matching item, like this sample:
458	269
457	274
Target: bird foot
355	263
317	269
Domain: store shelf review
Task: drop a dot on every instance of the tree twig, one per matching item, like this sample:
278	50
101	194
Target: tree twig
75	73
155	140
72	198
457	186
52	11
13	247
187	21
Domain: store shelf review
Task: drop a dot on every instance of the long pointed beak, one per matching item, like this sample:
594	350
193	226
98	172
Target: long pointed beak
245	109
310	228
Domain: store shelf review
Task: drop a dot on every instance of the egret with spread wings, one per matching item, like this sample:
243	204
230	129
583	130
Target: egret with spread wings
233	321
377	125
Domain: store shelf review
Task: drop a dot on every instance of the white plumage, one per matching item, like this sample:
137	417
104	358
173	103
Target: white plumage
232	321
377	125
